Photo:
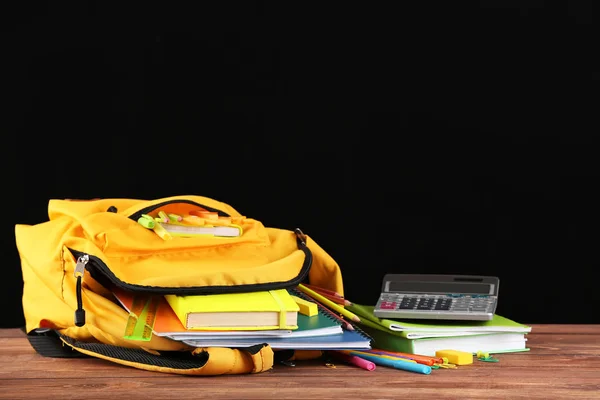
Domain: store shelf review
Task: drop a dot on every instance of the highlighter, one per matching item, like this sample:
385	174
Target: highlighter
146	221
398	364
355	360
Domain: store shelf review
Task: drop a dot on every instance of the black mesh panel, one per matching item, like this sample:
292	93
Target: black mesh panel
167	359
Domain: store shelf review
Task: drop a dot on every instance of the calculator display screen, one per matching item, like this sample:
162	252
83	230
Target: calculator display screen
440	287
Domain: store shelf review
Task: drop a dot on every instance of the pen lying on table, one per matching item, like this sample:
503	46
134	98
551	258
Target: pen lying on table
354	360
398	363
425	360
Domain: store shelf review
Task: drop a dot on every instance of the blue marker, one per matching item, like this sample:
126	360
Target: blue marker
398	364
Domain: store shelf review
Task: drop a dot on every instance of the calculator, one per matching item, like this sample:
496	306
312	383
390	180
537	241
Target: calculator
441	297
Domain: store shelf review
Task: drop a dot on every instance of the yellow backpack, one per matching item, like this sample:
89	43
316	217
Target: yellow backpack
70	262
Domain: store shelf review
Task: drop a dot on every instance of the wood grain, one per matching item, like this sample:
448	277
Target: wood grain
564	363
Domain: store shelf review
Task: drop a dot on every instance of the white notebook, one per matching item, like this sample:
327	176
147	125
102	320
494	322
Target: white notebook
188	230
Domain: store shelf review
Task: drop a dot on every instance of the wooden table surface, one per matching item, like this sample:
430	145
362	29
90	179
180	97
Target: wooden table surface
564	363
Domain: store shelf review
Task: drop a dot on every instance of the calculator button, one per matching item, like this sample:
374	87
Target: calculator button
443	304
408	303
387	305
425	304
479	309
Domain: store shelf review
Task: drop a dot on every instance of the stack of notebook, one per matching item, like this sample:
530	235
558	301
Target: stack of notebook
500	335
247	319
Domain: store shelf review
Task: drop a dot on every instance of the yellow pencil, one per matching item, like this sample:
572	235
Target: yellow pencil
329	303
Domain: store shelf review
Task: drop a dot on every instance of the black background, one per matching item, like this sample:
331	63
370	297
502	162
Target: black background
439	138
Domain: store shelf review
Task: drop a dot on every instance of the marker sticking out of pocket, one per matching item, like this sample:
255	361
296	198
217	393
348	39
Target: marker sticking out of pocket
175	217
149	223
163	217
146	221
162	232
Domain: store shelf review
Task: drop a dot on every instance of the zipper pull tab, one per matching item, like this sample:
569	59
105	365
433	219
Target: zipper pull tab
78	273
80	266
300	236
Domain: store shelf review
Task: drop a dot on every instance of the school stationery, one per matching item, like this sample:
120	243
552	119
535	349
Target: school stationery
493	342
421	359
354	360
455	357
167	324
498	335
323	309
344	340
414	329
444	297
307	308
333	296
328	303
176	229
398	364
261	310
307	327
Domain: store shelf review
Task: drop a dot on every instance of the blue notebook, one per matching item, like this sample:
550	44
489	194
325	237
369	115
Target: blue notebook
346	340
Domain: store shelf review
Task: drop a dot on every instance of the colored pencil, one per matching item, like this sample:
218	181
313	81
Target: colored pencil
333	296
416	357
338	300
345	324
322	290
420	360
328	303
393	363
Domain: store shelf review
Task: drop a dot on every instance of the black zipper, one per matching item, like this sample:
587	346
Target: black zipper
82	260
146	210
103	275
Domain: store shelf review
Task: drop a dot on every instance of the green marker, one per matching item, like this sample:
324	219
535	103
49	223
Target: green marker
147	221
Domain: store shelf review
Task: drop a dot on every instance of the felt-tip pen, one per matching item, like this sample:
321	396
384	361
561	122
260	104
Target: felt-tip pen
398	364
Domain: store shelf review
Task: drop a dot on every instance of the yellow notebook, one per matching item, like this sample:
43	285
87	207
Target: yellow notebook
272	309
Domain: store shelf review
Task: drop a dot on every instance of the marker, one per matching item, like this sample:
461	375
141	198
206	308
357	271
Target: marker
146	221
354	360
163	216
175	217
367	353
398	364
162	232
425	360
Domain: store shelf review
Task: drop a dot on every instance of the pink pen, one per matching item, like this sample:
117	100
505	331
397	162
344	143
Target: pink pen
354	360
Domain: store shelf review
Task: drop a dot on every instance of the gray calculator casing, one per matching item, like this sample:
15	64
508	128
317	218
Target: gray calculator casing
438	297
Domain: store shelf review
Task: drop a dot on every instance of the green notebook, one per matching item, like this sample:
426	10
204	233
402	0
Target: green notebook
500	335
438	328
493	343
